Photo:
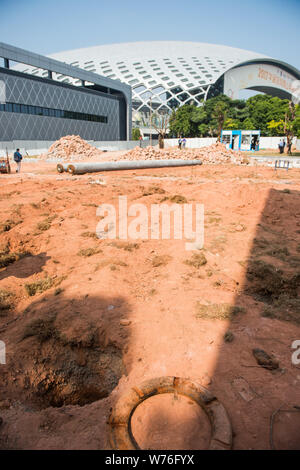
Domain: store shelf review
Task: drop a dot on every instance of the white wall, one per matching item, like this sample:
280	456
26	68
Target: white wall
265	142
272	142
193	143
38	147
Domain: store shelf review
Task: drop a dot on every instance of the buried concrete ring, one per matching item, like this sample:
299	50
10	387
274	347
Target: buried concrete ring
120	432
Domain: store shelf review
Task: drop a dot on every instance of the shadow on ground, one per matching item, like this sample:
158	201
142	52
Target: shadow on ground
266	317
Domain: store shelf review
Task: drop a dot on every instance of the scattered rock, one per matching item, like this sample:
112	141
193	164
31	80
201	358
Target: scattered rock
125	322
228	337
205	379
264	360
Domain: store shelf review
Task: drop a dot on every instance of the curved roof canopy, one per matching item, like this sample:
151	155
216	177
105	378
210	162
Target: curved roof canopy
171	73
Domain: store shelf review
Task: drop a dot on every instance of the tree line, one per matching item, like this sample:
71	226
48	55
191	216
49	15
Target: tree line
271	115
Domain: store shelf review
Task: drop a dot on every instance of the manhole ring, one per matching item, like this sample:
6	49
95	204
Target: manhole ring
120	433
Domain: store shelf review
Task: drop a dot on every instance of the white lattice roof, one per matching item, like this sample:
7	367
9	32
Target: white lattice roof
171	73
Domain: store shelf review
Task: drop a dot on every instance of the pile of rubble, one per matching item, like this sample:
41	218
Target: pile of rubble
214	154
70	148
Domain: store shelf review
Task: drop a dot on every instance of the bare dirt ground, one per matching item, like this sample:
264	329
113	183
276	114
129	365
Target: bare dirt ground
84	319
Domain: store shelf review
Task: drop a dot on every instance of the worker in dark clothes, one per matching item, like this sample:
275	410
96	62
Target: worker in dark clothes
18	158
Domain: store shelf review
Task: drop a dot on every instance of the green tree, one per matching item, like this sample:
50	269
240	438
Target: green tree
160	122
247	124
181	122
222	112
231	123
136	133
289	126
264	108
219	115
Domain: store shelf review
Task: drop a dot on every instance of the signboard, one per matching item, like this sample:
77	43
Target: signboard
259	75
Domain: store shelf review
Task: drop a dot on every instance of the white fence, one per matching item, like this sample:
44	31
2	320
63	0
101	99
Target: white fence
37	147
193	143
272	142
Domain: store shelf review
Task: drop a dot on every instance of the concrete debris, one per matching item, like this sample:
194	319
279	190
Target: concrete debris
264	360
101	182
214	154
74	148
71	148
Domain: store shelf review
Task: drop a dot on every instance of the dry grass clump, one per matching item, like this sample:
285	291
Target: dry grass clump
278	252
7	258
160	260
86	252
217	311
43	329
5	300
39	286
264	247
110	261
89	235
284	308
268	281
125	245
228	336
46	224
214	220
237	227
197	260
9	224
278	290
36	205
178	199
154	190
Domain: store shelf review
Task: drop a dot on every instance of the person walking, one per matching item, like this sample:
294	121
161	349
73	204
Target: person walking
280	146
18	158
179	143
183	142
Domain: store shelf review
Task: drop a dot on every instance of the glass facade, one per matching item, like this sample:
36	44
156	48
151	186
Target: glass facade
50	112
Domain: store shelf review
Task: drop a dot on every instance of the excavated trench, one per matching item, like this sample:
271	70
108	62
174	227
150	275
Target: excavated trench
56	375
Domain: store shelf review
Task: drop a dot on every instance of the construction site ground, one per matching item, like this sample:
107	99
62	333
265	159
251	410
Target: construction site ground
85	319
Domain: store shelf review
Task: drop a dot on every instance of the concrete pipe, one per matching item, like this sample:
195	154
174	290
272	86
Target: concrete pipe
81	168
61	167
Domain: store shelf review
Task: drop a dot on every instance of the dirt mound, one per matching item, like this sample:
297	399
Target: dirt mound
71	147
215	154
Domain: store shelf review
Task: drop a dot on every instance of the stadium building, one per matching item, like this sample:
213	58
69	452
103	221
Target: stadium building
167	74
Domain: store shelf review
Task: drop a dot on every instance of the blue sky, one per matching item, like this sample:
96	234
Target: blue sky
270	27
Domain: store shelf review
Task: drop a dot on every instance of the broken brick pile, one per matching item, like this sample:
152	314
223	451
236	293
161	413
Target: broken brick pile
214	154
71	148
